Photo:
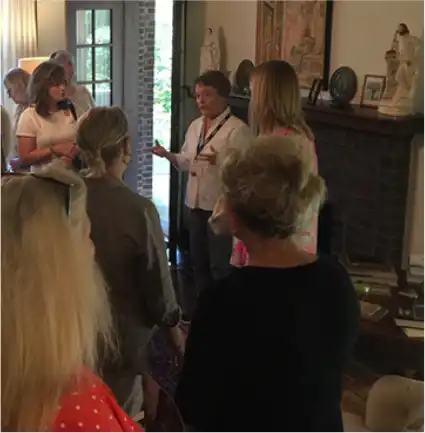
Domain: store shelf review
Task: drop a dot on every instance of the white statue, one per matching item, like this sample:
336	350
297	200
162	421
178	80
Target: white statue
210	52
401	88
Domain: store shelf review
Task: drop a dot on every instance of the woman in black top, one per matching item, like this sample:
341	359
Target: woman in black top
268	344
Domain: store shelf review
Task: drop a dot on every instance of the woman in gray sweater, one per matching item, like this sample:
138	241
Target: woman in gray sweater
130	250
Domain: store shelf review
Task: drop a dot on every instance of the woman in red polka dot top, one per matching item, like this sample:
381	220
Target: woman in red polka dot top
55	309
92	407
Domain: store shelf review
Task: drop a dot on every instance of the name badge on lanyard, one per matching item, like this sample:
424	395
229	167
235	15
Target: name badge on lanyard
203	142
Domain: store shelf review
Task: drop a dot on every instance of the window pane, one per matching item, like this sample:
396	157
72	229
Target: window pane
102	20
103	63
102	94
84	64
84	31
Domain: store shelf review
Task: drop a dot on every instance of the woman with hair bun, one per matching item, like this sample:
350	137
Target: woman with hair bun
130	249
286	323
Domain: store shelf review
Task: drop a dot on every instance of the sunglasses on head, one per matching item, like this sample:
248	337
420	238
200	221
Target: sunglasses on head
68	187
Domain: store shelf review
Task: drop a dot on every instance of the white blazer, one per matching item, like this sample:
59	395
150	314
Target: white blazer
204	189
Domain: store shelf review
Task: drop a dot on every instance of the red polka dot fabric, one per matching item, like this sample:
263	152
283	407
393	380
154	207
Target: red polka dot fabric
92	408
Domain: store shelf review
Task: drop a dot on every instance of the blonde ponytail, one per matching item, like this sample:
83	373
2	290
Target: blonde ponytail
101	137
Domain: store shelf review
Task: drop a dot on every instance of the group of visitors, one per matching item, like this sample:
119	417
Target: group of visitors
86	281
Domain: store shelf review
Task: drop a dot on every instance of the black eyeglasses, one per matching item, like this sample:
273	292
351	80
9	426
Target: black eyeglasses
67	186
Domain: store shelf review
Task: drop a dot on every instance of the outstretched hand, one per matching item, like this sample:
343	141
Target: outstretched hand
159	150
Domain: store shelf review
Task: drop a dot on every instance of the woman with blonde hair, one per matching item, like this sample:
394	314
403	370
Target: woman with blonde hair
276	109
130	250
287	321
16	83
79	95
54	307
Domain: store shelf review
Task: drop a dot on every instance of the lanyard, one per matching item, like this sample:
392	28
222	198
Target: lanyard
201	142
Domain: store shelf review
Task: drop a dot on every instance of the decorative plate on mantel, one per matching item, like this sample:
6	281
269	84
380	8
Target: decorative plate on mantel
343	87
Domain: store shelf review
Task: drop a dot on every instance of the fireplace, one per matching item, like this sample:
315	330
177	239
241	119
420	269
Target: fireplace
365	159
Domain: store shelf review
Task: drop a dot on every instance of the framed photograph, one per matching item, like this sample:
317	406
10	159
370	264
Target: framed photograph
373	89
298	32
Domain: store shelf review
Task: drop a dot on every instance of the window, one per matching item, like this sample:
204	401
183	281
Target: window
95	35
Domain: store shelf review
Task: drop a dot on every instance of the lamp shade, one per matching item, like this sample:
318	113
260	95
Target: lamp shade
28	64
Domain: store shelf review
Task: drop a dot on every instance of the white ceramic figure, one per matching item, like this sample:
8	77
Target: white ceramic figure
210	52
404	84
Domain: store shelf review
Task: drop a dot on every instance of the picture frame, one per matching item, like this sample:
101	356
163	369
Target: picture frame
304	43
373	90
315	90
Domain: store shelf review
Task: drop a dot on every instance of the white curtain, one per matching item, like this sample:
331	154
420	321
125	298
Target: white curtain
18	38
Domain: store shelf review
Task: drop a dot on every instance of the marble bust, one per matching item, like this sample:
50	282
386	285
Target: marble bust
402	74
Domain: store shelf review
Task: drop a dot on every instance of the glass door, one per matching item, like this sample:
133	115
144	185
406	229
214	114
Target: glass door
162	107
95	37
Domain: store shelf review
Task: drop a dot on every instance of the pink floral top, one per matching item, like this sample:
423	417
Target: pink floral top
240	254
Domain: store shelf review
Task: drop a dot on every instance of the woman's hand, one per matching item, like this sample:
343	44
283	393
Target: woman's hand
178	339
159	150
67	149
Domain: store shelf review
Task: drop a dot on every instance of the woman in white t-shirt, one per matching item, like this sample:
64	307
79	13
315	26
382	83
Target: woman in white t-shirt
79	95
47	128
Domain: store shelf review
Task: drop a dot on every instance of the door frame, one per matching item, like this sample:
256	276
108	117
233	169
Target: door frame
177	81
117	29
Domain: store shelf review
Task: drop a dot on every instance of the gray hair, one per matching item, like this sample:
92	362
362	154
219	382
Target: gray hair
62	57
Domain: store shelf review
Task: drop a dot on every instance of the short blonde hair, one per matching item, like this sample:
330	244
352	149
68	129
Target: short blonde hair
102	137
276	99
271	186
53	300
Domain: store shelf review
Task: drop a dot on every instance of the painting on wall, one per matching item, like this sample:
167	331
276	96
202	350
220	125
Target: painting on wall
298	32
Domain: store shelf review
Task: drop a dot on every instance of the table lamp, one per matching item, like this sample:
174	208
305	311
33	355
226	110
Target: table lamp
28	64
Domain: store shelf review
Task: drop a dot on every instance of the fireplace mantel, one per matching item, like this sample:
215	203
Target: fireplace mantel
357	118
365	159
365	120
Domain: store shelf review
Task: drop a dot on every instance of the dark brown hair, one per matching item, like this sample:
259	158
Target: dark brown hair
45	76
217	80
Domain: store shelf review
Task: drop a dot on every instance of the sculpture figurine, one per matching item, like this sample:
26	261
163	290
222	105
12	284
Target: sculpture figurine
210	52
402	74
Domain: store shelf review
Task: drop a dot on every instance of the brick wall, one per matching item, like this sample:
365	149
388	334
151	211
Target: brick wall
145	80
367	177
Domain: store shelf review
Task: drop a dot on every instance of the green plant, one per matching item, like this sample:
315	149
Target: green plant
162	83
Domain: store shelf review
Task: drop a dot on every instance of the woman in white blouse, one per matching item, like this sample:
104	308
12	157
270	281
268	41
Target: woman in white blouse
48	127
208	139
79	95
